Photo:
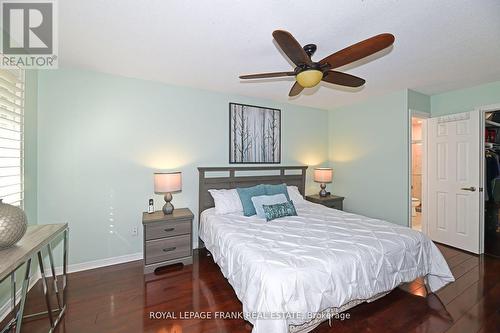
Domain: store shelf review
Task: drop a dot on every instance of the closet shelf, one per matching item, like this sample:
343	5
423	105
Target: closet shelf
490	123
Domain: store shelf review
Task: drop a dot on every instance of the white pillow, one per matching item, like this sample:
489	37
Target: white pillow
294	194
226	201
259	201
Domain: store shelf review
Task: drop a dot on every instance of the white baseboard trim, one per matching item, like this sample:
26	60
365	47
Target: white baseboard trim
84	266
6	307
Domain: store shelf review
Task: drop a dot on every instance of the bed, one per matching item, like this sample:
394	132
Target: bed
295	272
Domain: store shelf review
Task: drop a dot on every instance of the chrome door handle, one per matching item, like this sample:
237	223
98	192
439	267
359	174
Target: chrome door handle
472	189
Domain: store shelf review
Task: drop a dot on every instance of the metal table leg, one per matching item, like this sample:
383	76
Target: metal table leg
65	265
62	307
24	292
45	288
13	291
65	271
19	309
54	276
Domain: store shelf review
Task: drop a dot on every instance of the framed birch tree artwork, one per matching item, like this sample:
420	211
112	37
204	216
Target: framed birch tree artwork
255	134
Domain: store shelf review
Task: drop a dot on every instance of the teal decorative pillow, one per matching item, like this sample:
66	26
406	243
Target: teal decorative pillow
279	210
246	194
277	189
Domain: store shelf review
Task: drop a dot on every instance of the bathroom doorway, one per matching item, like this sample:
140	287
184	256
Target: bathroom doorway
417	165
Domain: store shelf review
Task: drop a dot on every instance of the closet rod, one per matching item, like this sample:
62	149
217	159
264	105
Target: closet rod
490	145
492	123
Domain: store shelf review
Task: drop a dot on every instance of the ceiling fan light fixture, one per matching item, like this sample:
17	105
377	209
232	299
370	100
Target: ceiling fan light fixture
309	73
309	78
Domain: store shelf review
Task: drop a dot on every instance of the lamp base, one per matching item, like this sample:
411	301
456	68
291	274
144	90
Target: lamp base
323	192
168	208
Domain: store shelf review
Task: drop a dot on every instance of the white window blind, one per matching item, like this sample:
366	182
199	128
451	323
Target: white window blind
12	136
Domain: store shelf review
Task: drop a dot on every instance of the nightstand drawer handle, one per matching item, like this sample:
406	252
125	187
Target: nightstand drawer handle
169	249
169	229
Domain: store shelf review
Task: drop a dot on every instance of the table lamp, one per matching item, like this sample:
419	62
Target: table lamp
323	176
166	183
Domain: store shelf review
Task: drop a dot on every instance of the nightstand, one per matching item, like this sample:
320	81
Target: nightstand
331	201
167	238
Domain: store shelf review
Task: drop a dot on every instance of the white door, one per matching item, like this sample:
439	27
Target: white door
453	180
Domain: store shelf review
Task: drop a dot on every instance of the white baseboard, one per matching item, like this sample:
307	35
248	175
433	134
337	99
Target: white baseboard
6	307
84	266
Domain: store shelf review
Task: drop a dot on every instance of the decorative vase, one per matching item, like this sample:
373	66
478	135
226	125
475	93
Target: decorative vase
12	225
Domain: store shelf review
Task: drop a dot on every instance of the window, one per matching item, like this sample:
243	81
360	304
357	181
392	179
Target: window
11	136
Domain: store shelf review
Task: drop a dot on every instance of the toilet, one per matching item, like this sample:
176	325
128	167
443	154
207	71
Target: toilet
415	202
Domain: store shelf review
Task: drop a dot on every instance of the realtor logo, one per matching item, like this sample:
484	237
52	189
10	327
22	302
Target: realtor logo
28	34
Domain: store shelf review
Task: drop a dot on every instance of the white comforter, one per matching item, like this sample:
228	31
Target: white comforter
319	259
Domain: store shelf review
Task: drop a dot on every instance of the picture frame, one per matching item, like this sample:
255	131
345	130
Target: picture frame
254	134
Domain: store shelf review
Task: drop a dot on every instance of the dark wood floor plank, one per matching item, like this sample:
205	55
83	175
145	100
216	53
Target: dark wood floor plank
437	320
119	299
479	314
449	292
492	324
448	251
464	267
489	278
458	259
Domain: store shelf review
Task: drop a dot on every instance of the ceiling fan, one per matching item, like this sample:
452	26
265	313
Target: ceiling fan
309	73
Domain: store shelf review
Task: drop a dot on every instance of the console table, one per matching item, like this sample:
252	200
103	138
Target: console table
37	238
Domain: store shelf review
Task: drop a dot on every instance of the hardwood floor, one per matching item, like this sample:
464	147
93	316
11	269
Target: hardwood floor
119	299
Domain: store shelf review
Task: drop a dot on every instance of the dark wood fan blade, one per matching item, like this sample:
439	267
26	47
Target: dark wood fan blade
343	79
296	89
266	75
359	50
291	47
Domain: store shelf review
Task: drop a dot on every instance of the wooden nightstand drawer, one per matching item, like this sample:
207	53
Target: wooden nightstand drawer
167	249
167	229
167	238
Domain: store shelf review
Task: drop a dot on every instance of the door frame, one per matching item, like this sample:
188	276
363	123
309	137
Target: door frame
482	117
422	115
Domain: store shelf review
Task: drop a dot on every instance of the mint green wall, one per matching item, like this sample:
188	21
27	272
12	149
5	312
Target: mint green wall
100	137
30	145
419	102
368	152
464	100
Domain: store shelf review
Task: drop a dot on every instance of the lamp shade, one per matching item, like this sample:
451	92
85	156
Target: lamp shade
168	182
323	175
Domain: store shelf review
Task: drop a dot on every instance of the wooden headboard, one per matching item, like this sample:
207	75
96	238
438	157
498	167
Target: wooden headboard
234	177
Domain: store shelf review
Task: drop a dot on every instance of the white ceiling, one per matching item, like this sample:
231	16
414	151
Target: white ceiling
440	45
